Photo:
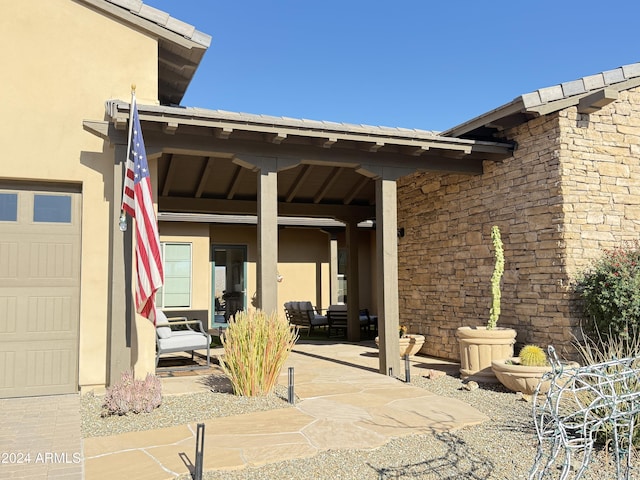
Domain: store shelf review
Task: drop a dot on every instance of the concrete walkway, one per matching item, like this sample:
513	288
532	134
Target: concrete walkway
40	438
342	403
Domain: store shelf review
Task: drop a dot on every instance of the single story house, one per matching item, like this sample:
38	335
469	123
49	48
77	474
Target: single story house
258	210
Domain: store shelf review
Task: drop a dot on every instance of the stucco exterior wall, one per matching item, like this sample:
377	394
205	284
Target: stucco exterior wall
303	262
568	191
42	134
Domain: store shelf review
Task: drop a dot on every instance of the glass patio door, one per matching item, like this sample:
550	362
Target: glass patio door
229	271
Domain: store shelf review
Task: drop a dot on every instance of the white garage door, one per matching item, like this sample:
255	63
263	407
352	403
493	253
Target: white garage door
39	289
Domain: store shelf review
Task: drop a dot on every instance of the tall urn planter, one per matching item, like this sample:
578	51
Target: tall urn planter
479	347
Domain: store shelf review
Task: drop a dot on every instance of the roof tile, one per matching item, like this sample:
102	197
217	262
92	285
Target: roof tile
632	70
550	94
180	27
132	5
613	76
593	82
575	87
531	99
153	15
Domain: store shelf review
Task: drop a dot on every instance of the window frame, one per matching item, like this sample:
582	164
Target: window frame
160	299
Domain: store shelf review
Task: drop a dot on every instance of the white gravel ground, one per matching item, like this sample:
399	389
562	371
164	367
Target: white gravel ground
502	448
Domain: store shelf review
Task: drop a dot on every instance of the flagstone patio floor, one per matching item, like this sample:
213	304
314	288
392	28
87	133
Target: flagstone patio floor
342	402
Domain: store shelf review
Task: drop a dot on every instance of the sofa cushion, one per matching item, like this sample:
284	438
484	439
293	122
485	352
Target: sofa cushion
163	332
184	340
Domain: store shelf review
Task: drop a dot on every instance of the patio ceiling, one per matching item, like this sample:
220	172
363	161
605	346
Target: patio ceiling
209	161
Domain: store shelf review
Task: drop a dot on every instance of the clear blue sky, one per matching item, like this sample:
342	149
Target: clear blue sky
400	63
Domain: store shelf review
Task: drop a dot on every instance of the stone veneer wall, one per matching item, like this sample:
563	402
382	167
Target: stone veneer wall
566	193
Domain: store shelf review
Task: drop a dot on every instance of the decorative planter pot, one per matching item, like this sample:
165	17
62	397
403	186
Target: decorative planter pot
521	378
409	344
479	347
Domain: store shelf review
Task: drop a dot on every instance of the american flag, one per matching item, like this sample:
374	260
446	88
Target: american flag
137	202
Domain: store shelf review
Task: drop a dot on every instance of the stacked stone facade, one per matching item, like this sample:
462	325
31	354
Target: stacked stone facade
571	189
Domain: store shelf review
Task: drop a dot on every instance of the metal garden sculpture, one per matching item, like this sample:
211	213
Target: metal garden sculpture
582	403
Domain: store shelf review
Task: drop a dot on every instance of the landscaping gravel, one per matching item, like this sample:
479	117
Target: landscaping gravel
502	448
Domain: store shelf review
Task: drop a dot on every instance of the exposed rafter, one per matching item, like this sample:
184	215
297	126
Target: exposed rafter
355	190
204	176
170	128
171	173
330	142
235	182
278	138
330	180
223	133
299	182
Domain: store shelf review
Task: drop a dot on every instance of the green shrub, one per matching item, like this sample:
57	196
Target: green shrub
609	290
256	347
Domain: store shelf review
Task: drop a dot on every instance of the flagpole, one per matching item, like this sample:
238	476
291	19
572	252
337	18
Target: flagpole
123	215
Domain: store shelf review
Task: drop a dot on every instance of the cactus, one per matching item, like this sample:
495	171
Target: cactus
498	270
533	356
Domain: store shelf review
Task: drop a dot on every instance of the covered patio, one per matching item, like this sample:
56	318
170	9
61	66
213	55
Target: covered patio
207	164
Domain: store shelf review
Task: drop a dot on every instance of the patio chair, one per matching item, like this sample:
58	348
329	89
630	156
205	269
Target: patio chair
178	334
337	316
304	315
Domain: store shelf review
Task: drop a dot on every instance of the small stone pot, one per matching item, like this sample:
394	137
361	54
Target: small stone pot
410	344
522	378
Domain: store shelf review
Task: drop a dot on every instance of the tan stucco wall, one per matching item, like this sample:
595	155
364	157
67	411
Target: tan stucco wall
65	60
569	191
303	262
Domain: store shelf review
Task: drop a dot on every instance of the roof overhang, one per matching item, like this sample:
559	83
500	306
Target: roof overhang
208	161
180	46
403	147
589	94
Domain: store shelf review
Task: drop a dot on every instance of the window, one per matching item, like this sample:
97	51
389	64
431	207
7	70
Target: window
176	261
8	207
52	208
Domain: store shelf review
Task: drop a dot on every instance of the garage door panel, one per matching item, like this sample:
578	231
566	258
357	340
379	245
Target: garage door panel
39	302
7	370
24	316
8	259
48	366
8	313
50	314
28	259
51	260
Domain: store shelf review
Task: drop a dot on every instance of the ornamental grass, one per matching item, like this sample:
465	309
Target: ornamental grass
256	347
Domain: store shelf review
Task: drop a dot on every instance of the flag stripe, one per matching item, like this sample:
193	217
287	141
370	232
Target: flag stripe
128	204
